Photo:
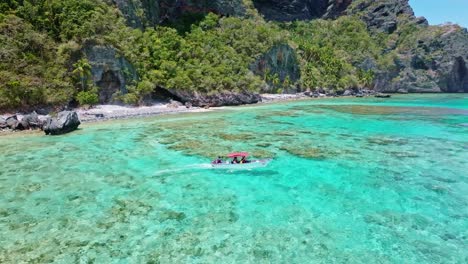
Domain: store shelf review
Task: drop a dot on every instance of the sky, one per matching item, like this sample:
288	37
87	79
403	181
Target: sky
441	11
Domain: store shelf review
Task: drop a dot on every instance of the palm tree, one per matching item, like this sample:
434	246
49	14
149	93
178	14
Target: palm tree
83	71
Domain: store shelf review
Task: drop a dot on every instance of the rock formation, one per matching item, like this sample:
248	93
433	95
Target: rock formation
110	71
144	13
218	99
280	10
65	122
279	62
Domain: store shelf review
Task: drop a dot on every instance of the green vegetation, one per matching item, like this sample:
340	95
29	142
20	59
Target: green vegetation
43	60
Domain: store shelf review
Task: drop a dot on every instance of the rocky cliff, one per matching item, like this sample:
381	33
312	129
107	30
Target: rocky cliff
144	13
435	60
280	10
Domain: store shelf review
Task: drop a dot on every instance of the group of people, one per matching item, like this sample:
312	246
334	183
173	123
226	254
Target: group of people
235	160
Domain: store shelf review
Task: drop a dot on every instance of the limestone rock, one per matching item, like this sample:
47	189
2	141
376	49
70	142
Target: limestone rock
280	61
13	123
219	99
174	104
3	123
31	121
280	10
149	13
110	71
65	122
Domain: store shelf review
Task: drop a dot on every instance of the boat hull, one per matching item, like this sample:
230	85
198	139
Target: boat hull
242	166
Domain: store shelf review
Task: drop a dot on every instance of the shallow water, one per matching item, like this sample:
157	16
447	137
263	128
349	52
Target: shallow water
352	181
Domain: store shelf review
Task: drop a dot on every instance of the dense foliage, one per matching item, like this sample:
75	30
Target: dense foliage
42	61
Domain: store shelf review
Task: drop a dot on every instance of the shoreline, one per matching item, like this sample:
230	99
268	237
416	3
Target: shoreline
115	112
101	113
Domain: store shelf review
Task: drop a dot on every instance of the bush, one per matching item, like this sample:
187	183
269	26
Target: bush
88	97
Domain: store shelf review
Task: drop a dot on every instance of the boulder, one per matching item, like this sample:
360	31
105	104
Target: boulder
380	95
3	123
31	121
12	122
188	105
174	104
65	122
402	91
348	93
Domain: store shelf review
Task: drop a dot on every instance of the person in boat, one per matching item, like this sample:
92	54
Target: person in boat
235	161
218	161
243	160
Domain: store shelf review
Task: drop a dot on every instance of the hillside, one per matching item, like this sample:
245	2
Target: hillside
69	52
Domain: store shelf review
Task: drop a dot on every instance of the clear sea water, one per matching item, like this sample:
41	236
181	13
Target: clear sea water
352	181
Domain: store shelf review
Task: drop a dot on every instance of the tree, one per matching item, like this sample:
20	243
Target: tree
82	71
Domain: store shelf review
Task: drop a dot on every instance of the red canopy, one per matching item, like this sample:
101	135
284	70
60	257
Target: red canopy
238	154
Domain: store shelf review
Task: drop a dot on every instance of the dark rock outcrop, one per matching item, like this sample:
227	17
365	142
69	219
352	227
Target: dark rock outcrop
65	122
281	10
110	71
13	123
438	63
31	121
219	99
149	13
383	15
279	62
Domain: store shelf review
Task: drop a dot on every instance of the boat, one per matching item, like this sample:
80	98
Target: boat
242	164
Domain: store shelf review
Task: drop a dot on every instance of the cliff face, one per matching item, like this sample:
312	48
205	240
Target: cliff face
280	10
435	63
436	59
142	13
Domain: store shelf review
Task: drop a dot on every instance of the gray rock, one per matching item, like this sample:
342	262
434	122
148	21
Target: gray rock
280	10
402	91
174	104
3	123
281	60
188	105
65	122
144	13
380	95
382	15
110	70
219	99
31	121
13	123
348	93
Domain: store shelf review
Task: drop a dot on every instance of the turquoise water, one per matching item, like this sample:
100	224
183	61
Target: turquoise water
352	181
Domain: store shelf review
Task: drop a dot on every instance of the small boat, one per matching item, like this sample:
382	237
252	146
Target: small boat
236	164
